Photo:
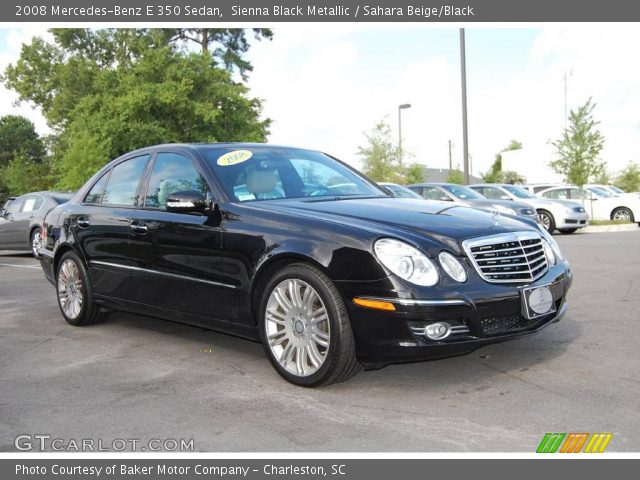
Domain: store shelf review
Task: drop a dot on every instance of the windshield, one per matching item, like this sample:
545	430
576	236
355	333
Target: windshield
400	191
271	173
600	192
518	191
463	193
616	189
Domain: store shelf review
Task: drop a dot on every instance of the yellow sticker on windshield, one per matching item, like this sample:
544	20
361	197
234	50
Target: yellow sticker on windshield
232	158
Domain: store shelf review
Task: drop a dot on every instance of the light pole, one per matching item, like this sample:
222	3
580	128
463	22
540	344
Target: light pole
465	139
400	108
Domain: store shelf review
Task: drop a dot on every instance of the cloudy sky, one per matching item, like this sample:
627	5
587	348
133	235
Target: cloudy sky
324	85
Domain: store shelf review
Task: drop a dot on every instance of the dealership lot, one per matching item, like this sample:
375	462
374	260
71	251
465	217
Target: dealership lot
139	378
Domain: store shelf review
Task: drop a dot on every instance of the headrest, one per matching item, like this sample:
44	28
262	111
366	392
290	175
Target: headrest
261	181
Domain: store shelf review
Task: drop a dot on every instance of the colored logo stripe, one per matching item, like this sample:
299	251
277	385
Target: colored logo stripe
574	442
598	443
550	443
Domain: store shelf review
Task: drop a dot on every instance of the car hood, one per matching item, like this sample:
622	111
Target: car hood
548	203
440	221
489	203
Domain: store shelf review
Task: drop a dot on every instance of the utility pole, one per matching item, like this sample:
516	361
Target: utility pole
400	108
450	160
465	139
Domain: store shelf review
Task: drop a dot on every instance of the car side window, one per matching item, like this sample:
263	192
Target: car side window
560	194
123	183
31	203
431	193
172	173
15	206
95	194
492	193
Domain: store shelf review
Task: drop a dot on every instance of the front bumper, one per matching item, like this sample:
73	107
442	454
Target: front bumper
479	312
572	220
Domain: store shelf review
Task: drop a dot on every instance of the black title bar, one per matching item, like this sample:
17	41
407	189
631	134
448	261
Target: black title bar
259	11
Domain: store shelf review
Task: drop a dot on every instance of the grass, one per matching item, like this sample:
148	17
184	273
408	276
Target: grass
609	222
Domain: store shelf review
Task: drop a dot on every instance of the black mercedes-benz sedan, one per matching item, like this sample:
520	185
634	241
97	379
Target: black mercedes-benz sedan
295	249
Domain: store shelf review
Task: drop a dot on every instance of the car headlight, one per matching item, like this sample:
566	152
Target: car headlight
505	210
552	242
406	261
548	252
453	267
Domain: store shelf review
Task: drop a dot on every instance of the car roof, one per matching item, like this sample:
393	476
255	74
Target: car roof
201	146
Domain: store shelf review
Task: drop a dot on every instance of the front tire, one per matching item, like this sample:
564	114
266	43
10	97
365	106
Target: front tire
305	328
568	231
75	296
622	214
546	219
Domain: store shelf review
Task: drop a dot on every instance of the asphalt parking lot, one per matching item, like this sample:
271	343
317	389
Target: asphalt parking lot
138	377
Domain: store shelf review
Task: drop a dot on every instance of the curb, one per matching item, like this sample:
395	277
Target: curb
626	227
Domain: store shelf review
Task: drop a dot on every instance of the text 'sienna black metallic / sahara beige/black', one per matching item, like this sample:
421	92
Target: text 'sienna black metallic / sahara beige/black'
297	250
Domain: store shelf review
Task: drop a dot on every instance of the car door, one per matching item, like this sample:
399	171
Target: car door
177	256
8	224
101	223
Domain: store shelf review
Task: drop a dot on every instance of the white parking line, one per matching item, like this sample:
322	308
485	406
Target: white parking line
19	266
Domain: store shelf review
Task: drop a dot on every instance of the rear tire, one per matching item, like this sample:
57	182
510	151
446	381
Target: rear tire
75	296
305	328
568	231
546	219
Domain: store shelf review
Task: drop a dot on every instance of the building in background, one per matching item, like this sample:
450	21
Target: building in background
532	163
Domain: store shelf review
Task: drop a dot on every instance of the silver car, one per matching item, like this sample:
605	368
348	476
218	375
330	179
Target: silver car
564	215
451	192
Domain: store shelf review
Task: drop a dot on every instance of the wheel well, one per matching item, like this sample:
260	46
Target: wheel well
620	208
33	229
267	270
62	249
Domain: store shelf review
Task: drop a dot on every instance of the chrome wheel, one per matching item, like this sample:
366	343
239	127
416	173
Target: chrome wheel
297	327
623	214
544	220
36	242
70	289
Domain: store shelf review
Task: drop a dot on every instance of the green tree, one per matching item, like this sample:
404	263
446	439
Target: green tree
455	176
414	173
495	174
509	176
579	147
603	178
106	92
18	136
21	157
629	178
380	156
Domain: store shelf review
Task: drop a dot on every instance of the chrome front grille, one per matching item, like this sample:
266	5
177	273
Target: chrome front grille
508	258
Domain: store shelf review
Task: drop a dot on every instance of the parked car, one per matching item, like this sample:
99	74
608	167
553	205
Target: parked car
563	215
599	204
451	192
328	278
399	191
21	219
613	190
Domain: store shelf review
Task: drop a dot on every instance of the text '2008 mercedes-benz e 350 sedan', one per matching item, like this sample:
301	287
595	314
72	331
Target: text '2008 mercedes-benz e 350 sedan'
295	249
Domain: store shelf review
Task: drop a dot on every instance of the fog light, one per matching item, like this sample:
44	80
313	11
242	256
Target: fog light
437	331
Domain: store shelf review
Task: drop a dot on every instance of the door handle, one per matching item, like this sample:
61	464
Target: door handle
83	222
139	228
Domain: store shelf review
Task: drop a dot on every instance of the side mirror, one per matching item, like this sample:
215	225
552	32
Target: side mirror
2	212
186	201
505	197
444	198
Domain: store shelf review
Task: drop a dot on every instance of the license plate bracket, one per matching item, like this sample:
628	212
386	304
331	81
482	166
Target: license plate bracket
537	301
